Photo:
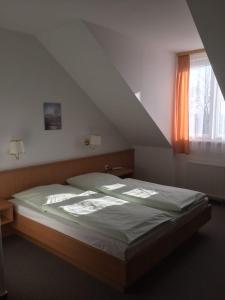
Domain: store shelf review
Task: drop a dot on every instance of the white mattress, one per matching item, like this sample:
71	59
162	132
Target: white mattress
98	240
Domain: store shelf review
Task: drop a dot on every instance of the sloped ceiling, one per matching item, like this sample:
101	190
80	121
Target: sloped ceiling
210	21
75	48
148	71
167	24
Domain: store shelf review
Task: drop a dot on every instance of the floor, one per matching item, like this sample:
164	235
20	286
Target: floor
195	271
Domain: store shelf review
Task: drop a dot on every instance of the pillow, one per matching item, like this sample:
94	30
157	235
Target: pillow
40	195
93	180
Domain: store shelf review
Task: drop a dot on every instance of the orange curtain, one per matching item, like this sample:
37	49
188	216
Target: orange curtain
181	107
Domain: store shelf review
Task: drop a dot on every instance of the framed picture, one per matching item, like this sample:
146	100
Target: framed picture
52	116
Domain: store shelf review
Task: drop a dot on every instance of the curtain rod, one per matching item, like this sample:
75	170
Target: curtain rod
191	52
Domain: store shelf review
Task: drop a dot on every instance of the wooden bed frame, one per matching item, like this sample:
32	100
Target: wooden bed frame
117	273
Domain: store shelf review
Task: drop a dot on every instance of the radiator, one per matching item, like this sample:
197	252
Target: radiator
206	177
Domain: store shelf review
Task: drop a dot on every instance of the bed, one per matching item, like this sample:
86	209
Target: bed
111	261
114	247
174	200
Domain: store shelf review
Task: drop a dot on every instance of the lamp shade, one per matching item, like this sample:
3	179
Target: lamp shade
95	140
16	147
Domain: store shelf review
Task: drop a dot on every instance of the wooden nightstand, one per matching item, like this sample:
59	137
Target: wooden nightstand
6	212
121	172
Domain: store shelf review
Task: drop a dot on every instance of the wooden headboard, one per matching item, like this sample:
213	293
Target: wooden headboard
13	181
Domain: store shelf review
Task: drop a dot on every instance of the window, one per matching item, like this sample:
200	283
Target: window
206	107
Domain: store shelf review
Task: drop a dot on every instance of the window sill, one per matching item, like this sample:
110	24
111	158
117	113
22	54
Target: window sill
207	163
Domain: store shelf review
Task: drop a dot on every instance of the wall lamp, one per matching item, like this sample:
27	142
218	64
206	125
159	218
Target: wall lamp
93	141
16	148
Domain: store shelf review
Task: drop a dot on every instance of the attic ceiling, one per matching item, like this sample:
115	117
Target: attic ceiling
211	29
60	27
166	23
76	49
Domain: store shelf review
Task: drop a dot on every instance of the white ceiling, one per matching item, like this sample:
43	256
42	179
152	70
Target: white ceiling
76	49
167	23
211	27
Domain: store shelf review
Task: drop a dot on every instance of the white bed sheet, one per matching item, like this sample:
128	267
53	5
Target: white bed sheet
98	240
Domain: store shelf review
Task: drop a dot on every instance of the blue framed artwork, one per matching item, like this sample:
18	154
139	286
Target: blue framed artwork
52	116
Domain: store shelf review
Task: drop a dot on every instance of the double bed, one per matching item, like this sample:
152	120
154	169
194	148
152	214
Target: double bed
116	261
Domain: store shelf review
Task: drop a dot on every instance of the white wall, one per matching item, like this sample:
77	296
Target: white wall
77	50
151	70
148	70
29	76
155	164
160	165
158	80
124	53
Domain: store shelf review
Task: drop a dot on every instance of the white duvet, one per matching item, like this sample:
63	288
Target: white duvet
113	217
152	195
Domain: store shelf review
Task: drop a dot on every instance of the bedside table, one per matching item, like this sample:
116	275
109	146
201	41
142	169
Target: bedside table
6	212
121	172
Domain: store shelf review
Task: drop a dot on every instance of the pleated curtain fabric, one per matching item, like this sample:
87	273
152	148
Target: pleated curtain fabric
181	106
